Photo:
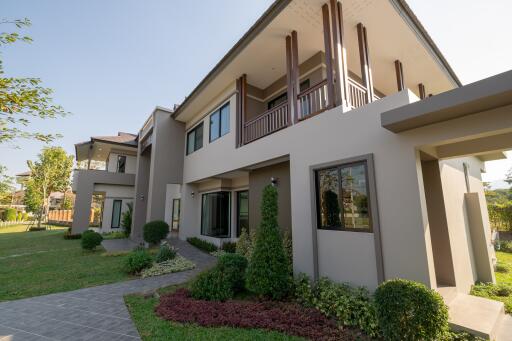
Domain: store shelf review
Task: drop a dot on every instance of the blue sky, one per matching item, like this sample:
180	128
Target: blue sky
111	62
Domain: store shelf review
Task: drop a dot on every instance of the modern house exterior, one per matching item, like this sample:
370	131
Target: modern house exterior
103	194
375	147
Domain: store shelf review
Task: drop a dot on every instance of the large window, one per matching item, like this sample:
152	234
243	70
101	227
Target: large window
116	213
242	212
215	214
175	224
121	163
195	139
219	123
342	198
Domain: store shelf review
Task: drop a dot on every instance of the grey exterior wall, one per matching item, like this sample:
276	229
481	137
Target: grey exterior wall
140	203
260	178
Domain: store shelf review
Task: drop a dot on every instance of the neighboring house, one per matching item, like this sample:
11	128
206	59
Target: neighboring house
375	147
107	192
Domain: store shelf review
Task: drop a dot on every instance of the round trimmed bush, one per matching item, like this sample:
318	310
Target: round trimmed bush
408	310
213	285
137	260
233	266
90	240
155	231
165	253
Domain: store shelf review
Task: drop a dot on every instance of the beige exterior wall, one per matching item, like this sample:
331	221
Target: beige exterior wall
131	163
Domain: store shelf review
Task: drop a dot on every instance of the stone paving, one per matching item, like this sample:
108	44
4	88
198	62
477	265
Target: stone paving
96	313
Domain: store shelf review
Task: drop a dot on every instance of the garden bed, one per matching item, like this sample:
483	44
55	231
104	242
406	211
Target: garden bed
286	317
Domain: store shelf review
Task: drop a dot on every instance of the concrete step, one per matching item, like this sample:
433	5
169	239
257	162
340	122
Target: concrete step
476	315
504	330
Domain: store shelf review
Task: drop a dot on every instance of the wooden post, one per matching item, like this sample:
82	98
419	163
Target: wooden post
423	93
241	89
399	75
328	55
295	76
364	56
340	55
289	76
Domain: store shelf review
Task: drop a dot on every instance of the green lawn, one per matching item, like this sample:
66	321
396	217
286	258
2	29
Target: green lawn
151	327
505	259
38	263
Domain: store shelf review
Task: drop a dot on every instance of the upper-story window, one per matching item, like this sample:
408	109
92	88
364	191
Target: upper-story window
195	139
284	97
219	122
121	163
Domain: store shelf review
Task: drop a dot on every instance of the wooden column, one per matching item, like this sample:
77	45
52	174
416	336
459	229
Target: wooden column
340	55
328	55
364	55
241	90
289	83
423	93
399	75
295	77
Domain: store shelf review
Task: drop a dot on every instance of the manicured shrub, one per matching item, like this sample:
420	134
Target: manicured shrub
229	247
90	240
233	266
244	246
350	306
165	252
202	244
285	317
267	273
288	250
10	214
212	285
126	219
35	229
138	260
155	231
408	310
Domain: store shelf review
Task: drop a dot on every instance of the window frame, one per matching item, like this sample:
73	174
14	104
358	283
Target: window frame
194	130
178	200
228	235
238	231
120	213
369	192
119	157
219	113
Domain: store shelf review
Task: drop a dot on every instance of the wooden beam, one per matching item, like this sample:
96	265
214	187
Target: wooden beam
338	64
399	75
289	76
422	91
369	63
343	56
364	58
328	55
295	76
239	126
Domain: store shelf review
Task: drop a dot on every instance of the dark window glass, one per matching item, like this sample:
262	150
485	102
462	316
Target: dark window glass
215	219
175	224
342	197
278	100
242	208
116	213
304	85
219	123
195	139
121	163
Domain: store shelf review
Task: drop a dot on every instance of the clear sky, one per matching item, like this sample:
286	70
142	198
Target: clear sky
111	62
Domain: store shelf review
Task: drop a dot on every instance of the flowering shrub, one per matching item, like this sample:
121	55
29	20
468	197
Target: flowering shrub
165	252
289	318
176	264
137	260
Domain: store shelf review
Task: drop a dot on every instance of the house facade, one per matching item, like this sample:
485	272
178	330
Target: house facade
104	182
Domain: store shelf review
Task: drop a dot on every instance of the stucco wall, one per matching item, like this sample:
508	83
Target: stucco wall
130	167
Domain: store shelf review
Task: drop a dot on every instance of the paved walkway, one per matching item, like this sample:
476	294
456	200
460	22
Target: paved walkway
96	313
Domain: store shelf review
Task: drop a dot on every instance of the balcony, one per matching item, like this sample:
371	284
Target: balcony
311	102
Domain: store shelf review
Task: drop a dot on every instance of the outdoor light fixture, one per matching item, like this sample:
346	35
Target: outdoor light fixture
273	181
192	194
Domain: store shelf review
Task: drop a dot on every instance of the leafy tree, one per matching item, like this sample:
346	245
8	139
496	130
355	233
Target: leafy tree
22	99
67	203
6	186
508	178
51	173
267	273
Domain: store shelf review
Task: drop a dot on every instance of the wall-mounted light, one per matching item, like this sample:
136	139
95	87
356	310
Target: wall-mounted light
273	181
142	197
192	194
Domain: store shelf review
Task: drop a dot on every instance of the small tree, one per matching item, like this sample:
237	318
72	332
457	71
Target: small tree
126	220
6	187
51	173
267	273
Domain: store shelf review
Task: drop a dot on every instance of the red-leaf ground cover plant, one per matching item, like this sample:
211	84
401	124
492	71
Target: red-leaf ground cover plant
285	317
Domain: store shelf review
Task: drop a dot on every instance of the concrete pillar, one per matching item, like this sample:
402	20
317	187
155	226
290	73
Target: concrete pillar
83	199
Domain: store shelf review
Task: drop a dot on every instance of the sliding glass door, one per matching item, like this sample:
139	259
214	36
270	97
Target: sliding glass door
215	214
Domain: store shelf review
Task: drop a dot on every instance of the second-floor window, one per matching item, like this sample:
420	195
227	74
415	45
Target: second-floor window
121	163
219	122
195	139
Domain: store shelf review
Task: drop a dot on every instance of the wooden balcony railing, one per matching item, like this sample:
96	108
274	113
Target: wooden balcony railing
357	94
313	100
267	123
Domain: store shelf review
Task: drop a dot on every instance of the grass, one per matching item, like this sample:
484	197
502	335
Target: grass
152	327
502	291
39	263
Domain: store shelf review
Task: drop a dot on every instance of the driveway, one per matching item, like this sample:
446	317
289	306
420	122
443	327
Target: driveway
96	313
